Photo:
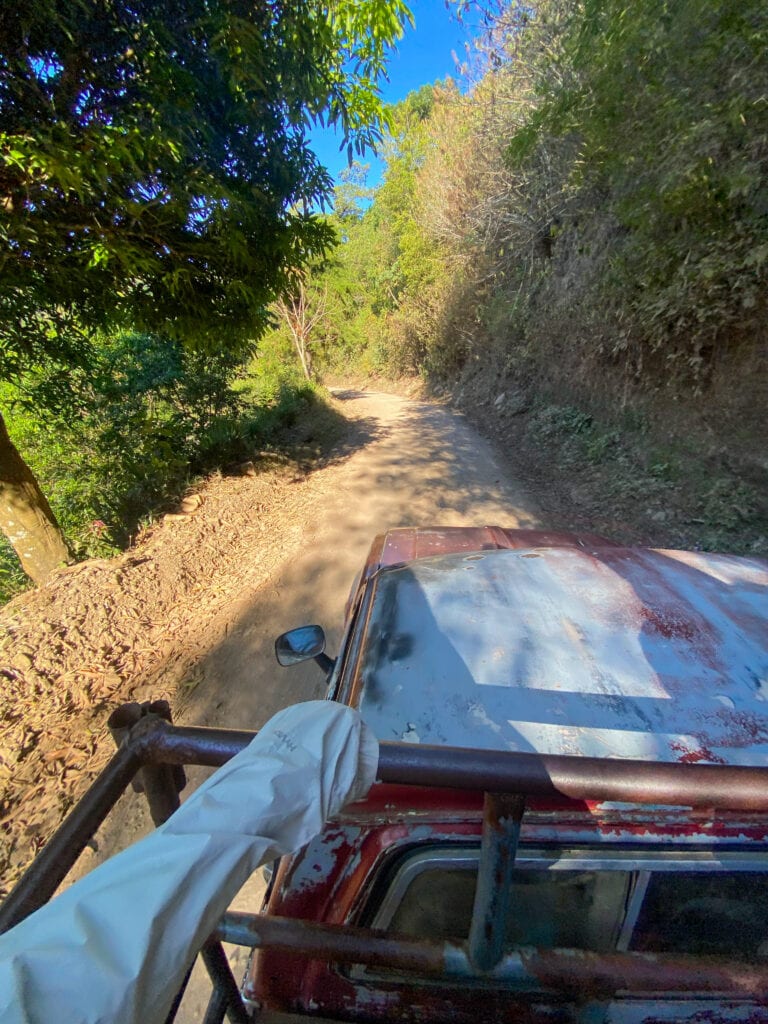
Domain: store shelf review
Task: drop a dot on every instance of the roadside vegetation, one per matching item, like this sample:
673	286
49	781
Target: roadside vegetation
157	186
570	242
574	248
127	437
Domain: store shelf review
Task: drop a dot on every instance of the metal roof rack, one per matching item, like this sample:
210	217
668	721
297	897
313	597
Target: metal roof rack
151	751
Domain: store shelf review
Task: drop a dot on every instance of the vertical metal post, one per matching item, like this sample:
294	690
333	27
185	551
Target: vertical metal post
502	816
160	783
225	988
50	867
216	1009
174	1008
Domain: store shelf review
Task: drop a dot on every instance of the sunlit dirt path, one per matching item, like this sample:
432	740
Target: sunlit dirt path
192	611
408	464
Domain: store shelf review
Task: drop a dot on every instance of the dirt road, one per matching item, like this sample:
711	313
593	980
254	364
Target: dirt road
192	611
408	463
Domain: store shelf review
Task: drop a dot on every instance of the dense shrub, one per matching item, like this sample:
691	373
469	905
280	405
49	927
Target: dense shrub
126	437
661	113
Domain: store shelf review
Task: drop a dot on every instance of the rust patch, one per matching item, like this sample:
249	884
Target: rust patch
590	975
702	753
668	626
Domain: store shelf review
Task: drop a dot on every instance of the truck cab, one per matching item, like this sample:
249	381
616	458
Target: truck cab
601	885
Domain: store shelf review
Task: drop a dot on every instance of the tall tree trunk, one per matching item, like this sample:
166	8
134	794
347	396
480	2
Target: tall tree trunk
25	515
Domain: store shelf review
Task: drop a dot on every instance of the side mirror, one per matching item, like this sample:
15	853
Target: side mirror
301	644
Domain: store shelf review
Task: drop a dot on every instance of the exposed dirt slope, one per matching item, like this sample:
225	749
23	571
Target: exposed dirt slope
190	612
105	631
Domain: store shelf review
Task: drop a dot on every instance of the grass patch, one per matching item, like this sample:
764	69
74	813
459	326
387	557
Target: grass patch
12	579
678	497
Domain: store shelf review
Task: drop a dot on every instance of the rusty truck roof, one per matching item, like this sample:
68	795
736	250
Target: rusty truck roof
579	647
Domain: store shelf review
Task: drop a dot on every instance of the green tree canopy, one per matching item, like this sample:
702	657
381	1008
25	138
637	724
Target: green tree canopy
154	160
156	172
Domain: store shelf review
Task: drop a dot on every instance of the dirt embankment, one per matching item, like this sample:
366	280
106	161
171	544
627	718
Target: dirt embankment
191	611
642	477
107	631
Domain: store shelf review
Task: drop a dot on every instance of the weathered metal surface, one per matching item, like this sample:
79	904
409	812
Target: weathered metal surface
408	543
192	745
331	880
153	741
226	994
740	788
577	778
160	783
174	1008
609	653
591	975
216	1009
502	816
572	971
338	943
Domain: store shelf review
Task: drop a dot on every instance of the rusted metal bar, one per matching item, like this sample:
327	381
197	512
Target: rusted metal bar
47	871
192	745
737	788
153	741
732	787
160	783
174	1008
216	1009
334	942
565	970
502	815
220	973
120	723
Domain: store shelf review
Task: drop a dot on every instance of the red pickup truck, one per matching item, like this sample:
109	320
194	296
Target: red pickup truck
592	900
571	819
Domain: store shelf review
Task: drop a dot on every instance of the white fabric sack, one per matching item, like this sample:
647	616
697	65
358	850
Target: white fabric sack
117	944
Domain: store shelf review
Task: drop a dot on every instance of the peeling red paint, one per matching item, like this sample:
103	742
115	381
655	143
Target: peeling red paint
291	983
688	756
676	632
669	626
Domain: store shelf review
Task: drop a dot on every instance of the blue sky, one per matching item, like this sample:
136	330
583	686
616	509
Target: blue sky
424	54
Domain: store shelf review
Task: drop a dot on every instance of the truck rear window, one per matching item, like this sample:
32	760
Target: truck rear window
602	908
573	909
705	915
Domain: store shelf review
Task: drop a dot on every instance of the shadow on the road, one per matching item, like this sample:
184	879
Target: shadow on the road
423	467
436	465
349	394
360	432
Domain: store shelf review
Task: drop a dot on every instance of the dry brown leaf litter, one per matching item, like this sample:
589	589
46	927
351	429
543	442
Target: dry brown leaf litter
111	630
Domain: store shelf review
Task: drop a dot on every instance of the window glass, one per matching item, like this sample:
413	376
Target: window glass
570	909
436	905
704	914
601	908
574	909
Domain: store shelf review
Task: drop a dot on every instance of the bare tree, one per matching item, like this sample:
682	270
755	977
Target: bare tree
301	310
